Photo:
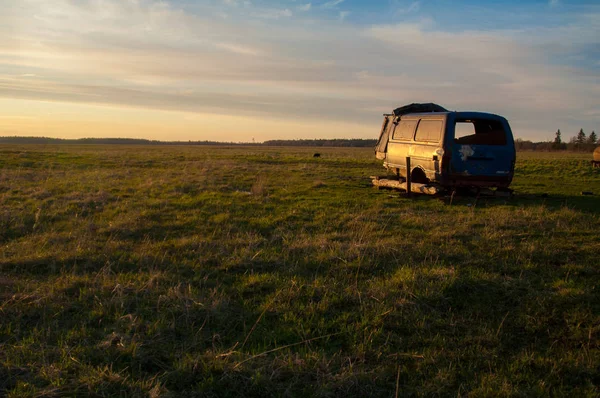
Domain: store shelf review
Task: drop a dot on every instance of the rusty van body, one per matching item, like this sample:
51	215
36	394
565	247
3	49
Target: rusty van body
452	149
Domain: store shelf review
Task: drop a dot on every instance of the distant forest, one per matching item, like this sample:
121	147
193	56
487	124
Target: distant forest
580	142
138	141
338	142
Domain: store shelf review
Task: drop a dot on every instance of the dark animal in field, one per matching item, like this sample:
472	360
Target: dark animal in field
317	155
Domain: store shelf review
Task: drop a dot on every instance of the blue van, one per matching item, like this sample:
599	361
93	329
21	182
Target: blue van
452	149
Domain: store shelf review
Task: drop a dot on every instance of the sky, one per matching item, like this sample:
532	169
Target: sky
255	70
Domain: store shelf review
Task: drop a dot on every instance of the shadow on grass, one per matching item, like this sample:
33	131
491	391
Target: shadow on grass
587	204
472	322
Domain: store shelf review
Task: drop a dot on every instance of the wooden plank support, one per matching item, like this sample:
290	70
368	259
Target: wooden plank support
427	189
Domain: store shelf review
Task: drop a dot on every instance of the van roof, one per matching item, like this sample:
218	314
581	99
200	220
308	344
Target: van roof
459	115
418	108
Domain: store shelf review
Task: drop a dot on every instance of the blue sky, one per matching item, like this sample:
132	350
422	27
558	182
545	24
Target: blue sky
292	69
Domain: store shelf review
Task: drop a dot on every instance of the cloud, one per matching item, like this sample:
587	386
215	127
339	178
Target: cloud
553	3
237	3
305	7
332	4
510	64
273	105
273	13
413	7
235	48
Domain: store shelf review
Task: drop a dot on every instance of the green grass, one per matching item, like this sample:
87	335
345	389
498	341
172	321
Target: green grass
166	271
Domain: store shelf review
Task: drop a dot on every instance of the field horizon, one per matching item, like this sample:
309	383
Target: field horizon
253	271
521	145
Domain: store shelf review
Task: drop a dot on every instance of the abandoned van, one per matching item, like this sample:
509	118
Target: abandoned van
452	149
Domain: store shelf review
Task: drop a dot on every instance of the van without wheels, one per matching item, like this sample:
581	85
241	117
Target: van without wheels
452	149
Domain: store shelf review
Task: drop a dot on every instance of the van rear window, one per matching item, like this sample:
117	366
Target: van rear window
405	130
429	131
479	132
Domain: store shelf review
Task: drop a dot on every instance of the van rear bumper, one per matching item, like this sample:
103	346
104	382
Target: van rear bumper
477	181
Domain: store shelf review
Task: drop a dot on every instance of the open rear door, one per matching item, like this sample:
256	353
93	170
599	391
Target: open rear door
381	147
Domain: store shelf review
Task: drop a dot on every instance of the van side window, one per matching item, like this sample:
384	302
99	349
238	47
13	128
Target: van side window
479	132
405	130
429	131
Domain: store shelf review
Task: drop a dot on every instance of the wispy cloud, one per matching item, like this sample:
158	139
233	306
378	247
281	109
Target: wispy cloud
413	7
332	4
272	13
237	3
238	49
305	7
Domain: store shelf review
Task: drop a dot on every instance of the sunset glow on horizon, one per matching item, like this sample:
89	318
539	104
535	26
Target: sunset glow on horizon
234	70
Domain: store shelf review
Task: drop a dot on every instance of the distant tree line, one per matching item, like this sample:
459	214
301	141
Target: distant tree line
580	143
341	142
103	141
338	142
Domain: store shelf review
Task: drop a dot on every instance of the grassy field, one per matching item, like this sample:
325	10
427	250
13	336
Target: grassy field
168	271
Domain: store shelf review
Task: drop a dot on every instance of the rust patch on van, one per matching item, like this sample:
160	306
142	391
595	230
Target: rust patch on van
465	152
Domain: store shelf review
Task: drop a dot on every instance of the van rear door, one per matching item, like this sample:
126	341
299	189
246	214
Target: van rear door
483	151
382	143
